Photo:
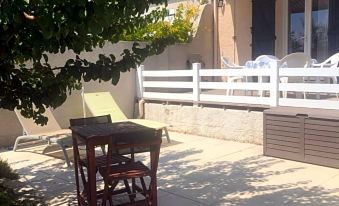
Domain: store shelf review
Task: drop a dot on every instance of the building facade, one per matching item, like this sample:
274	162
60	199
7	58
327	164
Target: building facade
249	28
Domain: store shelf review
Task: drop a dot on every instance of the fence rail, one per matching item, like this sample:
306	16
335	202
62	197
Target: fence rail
275	87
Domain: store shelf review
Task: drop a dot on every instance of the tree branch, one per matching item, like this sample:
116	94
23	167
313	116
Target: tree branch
29	16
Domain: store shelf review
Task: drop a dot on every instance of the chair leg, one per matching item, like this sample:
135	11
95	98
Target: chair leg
105	195
110	201
284	94
335	82
129	191
134	187
103	149
63	148
17	142
143	185
27	137
167	135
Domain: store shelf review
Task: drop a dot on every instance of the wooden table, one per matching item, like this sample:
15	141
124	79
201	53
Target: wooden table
100	134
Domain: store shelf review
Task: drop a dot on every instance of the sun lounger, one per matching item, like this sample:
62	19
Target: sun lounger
51	132
102	103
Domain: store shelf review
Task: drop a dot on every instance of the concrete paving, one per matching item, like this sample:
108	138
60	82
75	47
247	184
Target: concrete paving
195	170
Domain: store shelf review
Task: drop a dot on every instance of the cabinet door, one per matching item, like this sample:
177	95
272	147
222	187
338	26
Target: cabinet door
322	142
283	137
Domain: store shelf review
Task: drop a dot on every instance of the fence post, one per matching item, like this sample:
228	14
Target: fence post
274	81
140	88
196	83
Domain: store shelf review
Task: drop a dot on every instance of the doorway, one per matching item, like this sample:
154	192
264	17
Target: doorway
312	27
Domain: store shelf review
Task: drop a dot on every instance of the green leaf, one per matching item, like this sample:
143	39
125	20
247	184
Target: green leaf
45	57
115	77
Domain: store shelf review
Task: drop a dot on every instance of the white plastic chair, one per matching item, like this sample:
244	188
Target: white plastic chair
331	62
264	61
294	60
228	65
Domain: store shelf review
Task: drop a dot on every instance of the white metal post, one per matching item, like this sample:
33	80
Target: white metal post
196	83
140	89
274	81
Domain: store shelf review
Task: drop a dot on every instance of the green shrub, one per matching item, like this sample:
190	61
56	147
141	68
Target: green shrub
7	195
6	171
178	31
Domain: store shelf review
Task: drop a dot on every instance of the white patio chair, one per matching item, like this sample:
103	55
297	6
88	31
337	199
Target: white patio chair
228	65
294	60
331	62
52	133
264	61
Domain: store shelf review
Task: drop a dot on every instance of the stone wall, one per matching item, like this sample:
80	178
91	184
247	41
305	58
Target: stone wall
229	124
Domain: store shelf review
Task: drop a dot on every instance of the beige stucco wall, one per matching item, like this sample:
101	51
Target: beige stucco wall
176	56
226	31
234	22
243	19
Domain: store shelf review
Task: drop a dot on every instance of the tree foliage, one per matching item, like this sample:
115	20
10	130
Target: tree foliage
179	30
30	29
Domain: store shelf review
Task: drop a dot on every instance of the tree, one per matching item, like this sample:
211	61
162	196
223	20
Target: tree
30	29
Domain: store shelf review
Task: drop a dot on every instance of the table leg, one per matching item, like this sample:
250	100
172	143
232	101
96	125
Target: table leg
76	169
92	196
155	151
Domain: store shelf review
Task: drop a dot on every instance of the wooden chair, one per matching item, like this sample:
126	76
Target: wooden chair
132	170
115	158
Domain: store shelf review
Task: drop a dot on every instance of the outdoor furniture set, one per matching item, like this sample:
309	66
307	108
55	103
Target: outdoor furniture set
99	104
114	166
294	60
122	138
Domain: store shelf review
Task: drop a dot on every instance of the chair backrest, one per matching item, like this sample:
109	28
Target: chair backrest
265	61
226	64
296	60
91	120
334	59
31	128
266	58
102	103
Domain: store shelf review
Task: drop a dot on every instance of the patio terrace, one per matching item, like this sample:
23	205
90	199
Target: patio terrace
195	170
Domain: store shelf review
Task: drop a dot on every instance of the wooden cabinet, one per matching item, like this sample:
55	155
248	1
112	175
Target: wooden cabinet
302	134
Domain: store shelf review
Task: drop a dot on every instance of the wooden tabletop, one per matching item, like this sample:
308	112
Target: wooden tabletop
118	130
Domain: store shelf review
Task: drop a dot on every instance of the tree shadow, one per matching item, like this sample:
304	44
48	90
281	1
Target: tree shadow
245	181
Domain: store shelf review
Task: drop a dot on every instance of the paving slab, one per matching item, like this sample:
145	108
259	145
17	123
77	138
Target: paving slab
195	170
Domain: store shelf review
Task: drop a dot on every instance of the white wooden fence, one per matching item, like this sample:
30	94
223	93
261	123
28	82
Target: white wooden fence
192	88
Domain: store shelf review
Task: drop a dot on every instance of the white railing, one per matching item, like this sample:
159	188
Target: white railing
193	89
